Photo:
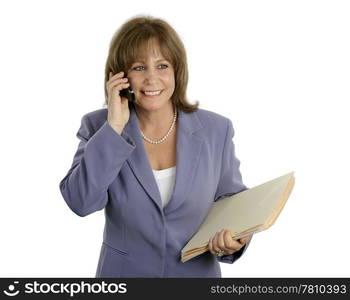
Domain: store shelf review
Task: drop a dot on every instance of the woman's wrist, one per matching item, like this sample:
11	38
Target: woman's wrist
117	128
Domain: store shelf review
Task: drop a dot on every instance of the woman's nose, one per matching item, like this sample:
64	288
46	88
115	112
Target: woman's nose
150	75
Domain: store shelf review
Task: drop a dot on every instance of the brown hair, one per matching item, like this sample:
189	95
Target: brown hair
134	38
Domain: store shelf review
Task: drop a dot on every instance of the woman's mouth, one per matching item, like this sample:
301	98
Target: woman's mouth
152	93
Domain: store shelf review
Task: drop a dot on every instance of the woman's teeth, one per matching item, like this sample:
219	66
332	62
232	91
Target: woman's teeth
151	93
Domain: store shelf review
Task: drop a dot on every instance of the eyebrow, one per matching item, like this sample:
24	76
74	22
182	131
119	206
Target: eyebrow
159	60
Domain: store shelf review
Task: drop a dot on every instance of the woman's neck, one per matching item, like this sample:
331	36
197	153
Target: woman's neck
157	122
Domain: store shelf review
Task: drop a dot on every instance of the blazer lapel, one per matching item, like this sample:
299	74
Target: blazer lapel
138	160
188	147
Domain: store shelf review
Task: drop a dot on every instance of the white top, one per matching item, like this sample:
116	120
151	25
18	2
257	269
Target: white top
166	181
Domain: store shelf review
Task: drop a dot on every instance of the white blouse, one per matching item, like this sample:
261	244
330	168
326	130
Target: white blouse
166	181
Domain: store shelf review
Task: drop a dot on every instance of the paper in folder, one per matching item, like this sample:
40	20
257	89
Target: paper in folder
244	213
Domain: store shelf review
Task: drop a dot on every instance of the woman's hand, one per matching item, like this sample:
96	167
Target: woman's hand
118	109
222	243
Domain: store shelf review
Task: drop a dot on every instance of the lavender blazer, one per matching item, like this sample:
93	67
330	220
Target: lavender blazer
112	172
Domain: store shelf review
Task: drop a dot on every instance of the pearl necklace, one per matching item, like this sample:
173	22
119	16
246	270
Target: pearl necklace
164	137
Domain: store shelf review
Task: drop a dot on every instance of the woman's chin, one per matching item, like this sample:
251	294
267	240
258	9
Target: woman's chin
152	105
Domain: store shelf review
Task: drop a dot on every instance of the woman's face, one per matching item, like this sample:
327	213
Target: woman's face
153	80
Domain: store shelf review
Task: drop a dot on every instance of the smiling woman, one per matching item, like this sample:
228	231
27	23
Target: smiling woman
152	79
155	163
142	37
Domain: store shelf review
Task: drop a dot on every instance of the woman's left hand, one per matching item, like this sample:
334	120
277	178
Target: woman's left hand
222	243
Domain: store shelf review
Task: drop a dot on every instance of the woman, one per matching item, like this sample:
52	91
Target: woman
156	164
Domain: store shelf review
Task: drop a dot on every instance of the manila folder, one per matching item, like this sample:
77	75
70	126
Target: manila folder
244	213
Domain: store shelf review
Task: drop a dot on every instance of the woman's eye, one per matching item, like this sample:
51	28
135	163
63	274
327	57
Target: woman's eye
141	68
138	68
163	66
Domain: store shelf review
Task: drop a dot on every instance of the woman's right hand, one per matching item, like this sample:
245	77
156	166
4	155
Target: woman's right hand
118	109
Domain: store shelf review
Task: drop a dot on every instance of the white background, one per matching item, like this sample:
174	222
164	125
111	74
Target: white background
280	70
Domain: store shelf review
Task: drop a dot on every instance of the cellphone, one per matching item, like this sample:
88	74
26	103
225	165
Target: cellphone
128	93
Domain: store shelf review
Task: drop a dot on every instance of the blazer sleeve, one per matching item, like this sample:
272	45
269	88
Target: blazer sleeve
230	183
95	166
